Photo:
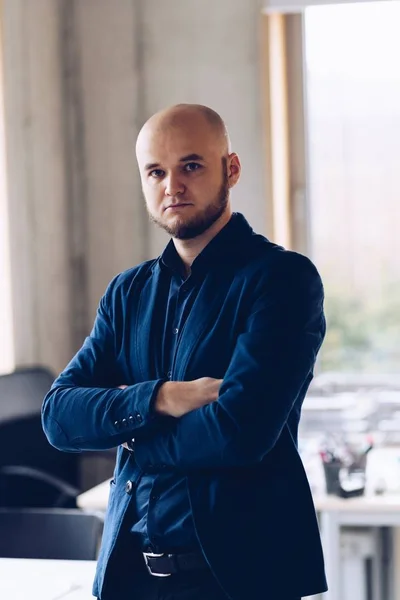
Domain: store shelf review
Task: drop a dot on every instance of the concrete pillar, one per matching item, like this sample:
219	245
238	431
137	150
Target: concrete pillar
107	35
35	153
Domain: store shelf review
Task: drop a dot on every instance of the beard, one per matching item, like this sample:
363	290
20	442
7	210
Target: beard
191	228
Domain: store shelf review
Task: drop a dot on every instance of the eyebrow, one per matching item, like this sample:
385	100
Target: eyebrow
150	166
191	157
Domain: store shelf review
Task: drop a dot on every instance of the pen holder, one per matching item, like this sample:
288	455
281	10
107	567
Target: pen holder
342	481
332	479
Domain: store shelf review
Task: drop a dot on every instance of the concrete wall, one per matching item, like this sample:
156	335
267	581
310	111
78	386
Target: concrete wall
81	76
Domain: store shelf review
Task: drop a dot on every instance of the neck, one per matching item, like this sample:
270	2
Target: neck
188	250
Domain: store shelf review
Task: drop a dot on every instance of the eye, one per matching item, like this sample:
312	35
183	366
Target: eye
157	173
192	166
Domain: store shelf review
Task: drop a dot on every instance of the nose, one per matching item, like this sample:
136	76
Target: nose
173	185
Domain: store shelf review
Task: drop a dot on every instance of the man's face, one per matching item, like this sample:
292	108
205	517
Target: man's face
184	175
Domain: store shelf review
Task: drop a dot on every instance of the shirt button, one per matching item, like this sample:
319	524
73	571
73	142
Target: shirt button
154	497
139	417
129	487
176	331
124	422
169	374
117	424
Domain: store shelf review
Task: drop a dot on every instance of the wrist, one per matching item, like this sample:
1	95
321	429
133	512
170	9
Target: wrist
174	398
161	404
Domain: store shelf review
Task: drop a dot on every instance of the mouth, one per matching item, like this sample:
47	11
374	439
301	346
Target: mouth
177	207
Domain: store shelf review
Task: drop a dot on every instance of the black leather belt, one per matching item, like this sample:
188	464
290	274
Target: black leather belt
164	565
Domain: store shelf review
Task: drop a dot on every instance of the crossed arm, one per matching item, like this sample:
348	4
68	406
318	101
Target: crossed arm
176	398
272	363
88	409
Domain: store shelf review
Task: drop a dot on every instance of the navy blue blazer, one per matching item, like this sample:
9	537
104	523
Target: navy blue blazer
258	324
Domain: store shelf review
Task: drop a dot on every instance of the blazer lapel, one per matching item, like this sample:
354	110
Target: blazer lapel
147	354
206	307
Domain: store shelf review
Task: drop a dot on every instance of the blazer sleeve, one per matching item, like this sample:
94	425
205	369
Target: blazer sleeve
272	362
84	409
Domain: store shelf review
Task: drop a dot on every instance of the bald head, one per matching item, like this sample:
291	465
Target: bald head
194	119
187	169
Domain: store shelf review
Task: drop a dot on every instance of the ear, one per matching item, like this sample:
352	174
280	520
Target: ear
234	169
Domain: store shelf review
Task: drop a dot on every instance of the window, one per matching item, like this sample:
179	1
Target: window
353	96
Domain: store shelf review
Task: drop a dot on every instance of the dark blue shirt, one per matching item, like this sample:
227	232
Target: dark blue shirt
162	502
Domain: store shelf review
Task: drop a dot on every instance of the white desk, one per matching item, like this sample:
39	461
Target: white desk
31	579
96	498
365	511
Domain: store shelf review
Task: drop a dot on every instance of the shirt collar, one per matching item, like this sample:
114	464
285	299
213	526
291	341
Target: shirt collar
223	247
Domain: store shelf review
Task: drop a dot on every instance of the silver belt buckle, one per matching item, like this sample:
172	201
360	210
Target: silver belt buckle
152	555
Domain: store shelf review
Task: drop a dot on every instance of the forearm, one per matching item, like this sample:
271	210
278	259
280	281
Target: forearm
177	398
89	418
238	430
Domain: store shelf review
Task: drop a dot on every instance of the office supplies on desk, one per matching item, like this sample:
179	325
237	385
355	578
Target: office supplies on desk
345	467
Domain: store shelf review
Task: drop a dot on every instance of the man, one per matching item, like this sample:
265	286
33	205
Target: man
197	367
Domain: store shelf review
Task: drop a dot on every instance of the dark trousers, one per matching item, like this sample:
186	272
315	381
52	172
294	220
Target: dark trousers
200	585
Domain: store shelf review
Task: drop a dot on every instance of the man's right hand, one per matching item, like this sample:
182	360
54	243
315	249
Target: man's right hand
176	398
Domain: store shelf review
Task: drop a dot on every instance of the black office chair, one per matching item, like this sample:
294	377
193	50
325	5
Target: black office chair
32	472
63	534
